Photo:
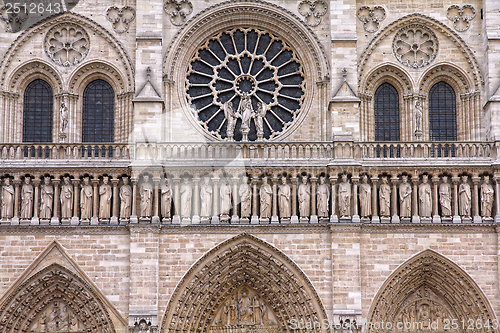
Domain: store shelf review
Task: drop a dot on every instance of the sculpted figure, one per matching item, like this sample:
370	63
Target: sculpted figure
7	199
284	195
47	198
322	197
105	192
66	199
405	197
225	198
86	199
425	197
146	192
445	197
486	197
246	198
166	200
125	199
245	110
186	195
231	117
304	196
63	113
245	307
385	198
418	117
27	199
365	197
266	193
259	118
206	198
464	196
345	197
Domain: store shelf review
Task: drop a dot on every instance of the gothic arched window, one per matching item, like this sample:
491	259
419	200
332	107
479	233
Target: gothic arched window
98	112
38	111
386	113
442	113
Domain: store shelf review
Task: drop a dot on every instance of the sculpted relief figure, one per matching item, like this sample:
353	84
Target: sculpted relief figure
486	197
47	198
385	198
445	197
425	197
231	118
63	114
365	197
246	198
260	114
464	195
27	199
345	197
245	111
418	117
322	197
304	196
206	198
66	199
284	195
266	193
105	192
146	192
125	199
7	199
405	197
166	200
86	199
225	198
186	195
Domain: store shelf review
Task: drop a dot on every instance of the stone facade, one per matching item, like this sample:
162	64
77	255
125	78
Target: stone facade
245	190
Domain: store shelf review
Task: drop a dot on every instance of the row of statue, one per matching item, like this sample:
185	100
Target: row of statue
228	197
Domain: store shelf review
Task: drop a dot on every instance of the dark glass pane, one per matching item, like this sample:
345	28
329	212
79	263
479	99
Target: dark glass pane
442	113
38	110
98	112
386	113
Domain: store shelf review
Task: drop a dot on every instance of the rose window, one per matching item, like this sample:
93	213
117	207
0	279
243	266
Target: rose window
245	84
67	44
415	46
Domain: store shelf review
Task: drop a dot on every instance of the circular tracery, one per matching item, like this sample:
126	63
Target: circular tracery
249	63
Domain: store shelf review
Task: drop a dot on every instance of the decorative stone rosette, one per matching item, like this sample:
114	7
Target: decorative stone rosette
461	16
415	46
371	17
67	44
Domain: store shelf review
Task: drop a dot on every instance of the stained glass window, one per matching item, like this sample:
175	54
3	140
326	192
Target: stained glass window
38	112
442	113
98	112
386	113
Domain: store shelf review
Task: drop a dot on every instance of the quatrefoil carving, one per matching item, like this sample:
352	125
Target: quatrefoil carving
313	11
371	17
461	16
178	10
13	21
120	17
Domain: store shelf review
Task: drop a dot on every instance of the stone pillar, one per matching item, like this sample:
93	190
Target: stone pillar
133	217
35	220
15	217
196	201
156	203
274	217
215	213
314	215
355	214
235	218
456	217
435	199
414	200
95	210
255	211
176	219
375	217
475	200
395	200
75	220
497	199
55	212
116	203
294	218
333	194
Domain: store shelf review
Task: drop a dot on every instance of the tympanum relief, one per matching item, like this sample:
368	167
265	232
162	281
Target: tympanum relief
57	317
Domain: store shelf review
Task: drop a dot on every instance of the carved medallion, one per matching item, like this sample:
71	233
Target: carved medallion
178	10
120	17
67	44
461	16
313	11
371	17
415	46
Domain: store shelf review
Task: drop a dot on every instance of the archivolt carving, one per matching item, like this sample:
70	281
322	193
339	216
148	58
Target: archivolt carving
94	70
387	73
54	299
242	262
32	70
448	73
430	287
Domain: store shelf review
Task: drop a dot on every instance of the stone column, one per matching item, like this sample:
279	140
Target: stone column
414	200
35	220
255	211
333	194
294	218
456	217
355	214
235	218
497	199
95	210
116	203
133	217
314	215
55	212
475	200
375	217
156	202
395	200
196	201
215	213
435	199
15	217
75	220
274	217
176	219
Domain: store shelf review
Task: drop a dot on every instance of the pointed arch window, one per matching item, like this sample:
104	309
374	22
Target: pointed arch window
98	112
386	113
38	112
442	113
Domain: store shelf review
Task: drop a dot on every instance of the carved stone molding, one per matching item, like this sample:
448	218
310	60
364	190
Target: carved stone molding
120	17
178	10
415	46
67	44
371	16
461	16
313	11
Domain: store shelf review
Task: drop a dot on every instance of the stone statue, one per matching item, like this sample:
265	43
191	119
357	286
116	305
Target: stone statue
186	195
365	197
345	197
47	198
166	200
231	117
245	111
66	199
405	197
105	192
7	199
284	195
125	199
322	197
246	198
245	307
304	196
63	114
146	192
259	118
486	197
225	198
86	199
445	197
464	195
27	199
425	197
385	198
418	118
206	198
266	193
